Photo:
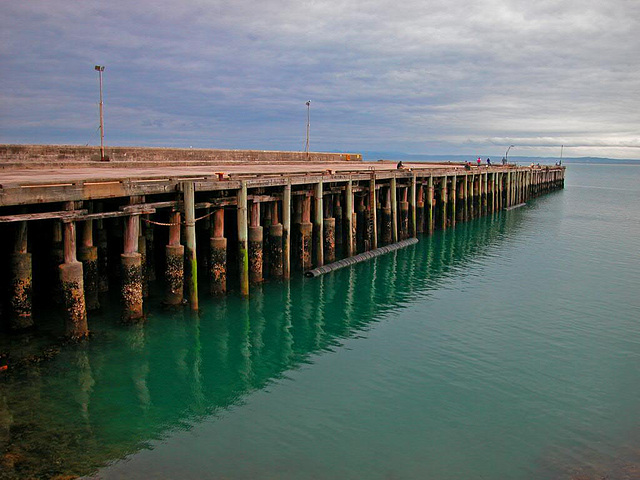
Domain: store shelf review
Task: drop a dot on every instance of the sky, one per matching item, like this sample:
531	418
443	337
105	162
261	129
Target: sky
417	76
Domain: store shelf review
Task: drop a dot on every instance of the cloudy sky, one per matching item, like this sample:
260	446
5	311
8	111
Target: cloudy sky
417	76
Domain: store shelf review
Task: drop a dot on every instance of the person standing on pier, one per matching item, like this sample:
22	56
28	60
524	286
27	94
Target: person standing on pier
479	161
488	162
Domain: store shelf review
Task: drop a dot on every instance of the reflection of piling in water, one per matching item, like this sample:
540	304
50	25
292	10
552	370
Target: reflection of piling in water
242	344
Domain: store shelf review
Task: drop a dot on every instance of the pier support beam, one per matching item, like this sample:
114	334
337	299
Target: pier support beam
387	222
337	214
404	214
349	224
276	257
329	230
460	199
144	270
131	261
286	231
243	240
413	215
218	255
485	190
20	301
430	205
373	212
477	203
88	255
465	193
453	197
361	240
306	231
394	209
103	256
444	198
190	244
149	235
57	259
420	209
174	267
329	240
255	245
318	225
72	282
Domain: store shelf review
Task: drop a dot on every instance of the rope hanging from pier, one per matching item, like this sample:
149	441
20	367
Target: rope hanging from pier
361	257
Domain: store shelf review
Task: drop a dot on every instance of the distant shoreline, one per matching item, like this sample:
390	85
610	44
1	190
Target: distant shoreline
373	156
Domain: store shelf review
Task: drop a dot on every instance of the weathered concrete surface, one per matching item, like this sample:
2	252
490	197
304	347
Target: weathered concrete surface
255	254
20	301
174	275
276	268
218	266
62	155
73	291
89	258
131	288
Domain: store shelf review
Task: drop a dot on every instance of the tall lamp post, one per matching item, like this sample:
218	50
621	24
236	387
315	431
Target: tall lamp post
506	155
100	69
306	148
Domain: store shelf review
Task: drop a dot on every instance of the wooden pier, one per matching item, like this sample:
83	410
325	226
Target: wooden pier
206	222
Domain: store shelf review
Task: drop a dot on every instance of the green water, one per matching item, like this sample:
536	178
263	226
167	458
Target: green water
507	348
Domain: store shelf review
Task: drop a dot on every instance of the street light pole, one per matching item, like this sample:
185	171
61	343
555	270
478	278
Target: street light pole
506	155
100	69
308	125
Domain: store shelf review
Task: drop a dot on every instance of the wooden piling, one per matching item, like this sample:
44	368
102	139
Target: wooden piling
190	244
286	231
255	245
430	204
318	225
218	255
386	233
349	244
373	211
361	240
443	199
71	278
403	231
306	230
149	235
412	207
20	290
276	257
338	215
453	197
131	263
329	229
394	210
88	255
420	208
243	239
174	263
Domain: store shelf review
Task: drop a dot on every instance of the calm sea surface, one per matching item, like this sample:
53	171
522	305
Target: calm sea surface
507	348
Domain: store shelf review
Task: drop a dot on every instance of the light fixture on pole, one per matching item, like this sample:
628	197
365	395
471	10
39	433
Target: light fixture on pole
506	155
306	149
100	69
